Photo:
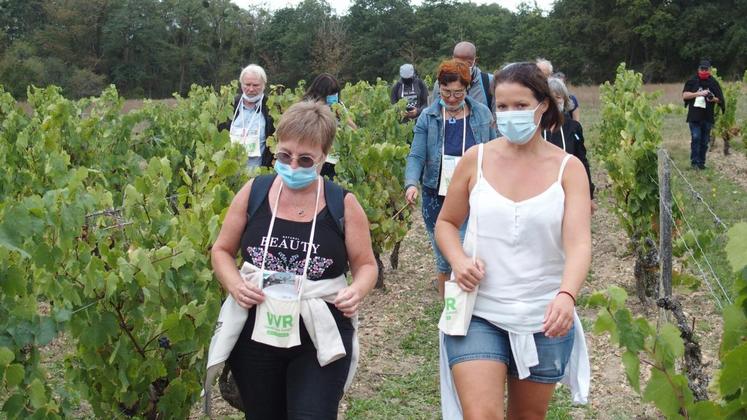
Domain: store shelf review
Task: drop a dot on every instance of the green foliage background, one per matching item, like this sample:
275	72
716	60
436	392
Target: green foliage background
151	48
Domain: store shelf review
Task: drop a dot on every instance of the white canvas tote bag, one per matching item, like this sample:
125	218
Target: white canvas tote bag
458	304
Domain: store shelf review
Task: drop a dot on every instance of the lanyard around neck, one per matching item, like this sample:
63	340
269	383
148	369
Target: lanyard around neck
311	237
443	132
257	110
562	136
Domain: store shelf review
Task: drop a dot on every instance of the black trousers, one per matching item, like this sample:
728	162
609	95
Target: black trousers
277	383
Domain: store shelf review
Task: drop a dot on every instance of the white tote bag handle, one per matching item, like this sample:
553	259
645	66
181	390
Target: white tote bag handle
458	304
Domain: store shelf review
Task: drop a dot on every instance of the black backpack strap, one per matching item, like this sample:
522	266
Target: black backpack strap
335	196
486	88
260	187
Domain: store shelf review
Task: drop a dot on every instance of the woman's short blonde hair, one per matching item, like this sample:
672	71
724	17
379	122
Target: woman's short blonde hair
308	122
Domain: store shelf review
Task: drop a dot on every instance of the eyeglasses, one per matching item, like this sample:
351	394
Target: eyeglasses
304	161
459	94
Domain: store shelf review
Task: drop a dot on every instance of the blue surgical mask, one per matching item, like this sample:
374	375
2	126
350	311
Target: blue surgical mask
333	99
298	178
454	108
517	126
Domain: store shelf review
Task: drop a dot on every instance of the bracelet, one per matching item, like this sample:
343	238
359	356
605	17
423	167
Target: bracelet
569	294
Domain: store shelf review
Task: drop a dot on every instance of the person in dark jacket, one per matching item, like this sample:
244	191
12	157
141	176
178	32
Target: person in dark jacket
570	135
411	88
701	94
325	89
251	123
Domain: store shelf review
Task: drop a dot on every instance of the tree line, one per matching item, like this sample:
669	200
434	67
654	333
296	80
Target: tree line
152	48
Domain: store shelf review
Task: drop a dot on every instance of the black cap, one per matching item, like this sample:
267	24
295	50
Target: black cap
704	64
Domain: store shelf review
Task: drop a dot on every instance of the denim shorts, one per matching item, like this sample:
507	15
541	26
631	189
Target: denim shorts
485	341
432	203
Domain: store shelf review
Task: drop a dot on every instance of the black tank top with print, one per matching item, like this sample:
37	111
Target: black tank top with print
289	244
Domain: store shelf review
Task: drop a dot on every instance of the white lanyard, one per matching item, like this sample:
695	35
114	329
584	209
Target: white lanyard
562	136
402	90
311	237
257	110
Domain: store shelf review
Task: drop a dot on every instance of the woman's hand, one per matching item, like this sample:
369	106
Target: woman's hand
347	301
558	316
411	194
467	273
247	294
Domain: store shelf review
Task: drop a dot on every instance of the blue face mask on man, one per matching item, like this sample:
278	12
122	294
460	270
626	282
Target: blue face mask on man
333	99
298	178
517	126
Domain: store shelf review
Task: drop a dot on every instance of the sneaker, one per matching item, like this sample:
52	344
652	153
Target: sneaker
701	167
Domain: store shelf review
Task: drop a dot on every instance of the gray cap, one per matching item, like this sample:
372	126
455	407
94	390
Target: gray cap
406	71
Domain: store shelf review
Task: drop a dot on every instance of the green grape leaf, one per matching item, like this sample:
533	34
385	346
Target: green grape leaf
669	345
6	356
37	394
705	410
47	331
632	369
14	374
660	392
735	328
596	300
604	323
14	282
630	335
14	406
618	296
736	248
732	373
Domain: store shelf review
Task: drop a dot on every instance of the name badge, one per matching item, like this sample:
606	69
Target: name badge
251	143
700	102
448	166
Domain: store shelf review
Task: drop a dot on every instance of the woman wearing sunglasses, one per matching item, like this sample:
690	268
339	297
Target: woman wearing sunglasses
533	248
293	232
443	132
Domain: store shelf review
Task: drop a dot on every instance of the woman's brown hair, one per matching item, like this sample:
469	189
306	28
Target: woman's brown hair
530	76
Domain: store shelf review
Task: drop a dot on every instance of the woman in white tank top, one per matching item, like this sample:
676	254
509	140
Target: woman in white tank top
533	248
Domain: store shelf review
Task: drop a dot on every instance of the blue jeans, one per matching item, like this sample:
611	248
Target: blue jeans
485	341
432	203
700	133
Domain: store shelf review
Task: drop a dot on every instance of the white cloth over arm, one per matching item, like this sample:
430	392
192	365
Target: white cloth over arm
316	317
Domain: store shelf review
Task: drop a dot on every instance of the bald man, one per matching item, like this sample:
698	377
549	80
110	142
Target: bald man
545	66
481	88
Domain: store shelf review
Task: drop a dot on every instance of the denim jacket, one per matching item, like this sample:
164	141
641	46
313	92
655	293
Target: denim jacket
424	160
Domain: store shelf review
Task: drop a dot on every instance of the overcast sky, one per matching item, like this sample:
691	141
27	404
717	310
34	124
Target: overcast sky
341	6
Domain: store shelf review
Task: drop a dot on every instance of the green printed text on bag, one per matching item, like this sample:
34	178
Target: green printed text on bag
450	308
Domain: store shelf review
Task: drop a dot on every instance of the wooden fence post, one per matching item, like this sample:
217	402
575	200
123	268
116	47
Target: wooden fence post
665	226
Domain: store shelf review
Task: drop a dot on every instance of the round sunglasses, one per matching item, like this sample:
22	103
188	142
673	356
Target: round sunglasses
304	161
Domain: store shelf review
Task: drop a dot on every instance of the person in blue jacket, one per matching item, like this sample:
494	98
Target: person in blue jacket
443	132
